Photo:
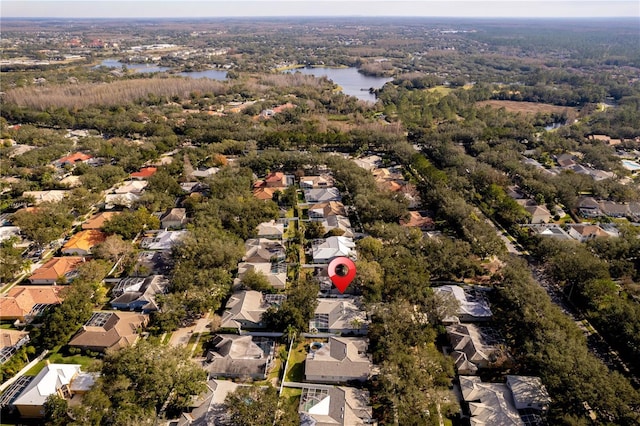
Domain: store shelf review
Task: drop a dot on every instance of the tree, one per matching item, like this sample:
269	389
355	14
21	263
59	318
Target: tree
113	249
55	411
45	223
256	281
149	376
129	223
252	406
12	261
313	230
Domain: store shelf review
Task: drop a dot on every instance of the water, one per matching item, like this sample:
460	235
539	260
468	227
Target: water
212	74
149	68
350	80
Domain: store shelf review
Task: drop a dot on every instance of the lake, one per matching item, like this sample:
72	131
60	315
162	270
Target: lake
349	79
148	68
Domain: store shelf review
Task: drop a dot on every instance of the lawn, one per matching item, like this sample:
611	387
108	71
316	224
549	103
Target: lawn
58	358
295	372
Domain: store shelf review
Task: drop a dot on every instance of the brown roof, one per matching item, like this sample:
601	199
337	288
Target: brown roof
85	240
119	329
97	221
417	220
21	299
55	268
264	193
10	338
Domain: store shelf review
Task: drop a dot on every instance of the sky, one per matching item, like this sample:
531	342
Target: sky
271	8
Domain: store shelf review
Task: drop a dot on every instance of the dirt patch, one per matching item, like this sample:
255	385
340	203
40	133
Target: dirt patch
529	107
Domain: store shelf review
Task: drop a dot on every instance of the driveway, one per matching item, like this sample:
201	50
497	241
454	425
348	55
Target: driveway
181	336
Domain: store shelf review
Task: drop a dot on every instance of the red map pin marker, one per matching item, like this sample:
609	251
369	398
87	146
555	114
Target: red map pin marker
342	271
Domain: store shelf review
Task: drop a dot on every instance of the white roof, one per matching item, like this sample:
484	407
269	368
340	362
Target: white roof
489	403
47	382
475	308
333	247
528	390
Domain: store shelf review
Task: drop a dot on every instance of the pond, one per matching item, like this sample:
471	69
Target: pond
352	82
148	68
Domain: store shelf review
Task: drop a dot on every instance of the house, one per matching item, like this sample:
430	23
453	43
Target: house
244	309
340	360
97	221
262	250
612	209
338	222
209	409
72	159
368	163
334	405
333	247
326	209
472	305
23	303
71	181
240	356
10	342
419	220
566	160
584	232
174	219
131	186
55	269
52	196
7	232
82	242
551	231
265	193
273	180
162	240
539	214
322	195
276	273
52	379
121	200
589	207
205	173
489	403
271	230
151	262
340	315
192	187
314	182
469	349
138	294
109	331
528	393
144	173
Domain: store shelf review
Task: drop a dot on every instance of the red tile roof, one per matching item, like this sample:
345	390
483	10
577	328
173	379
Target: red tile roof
144	173
55	268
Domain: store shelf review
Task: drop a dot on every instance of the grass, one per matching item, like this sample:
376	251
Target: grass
440	90
6	326
295	373
204	337
55	357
